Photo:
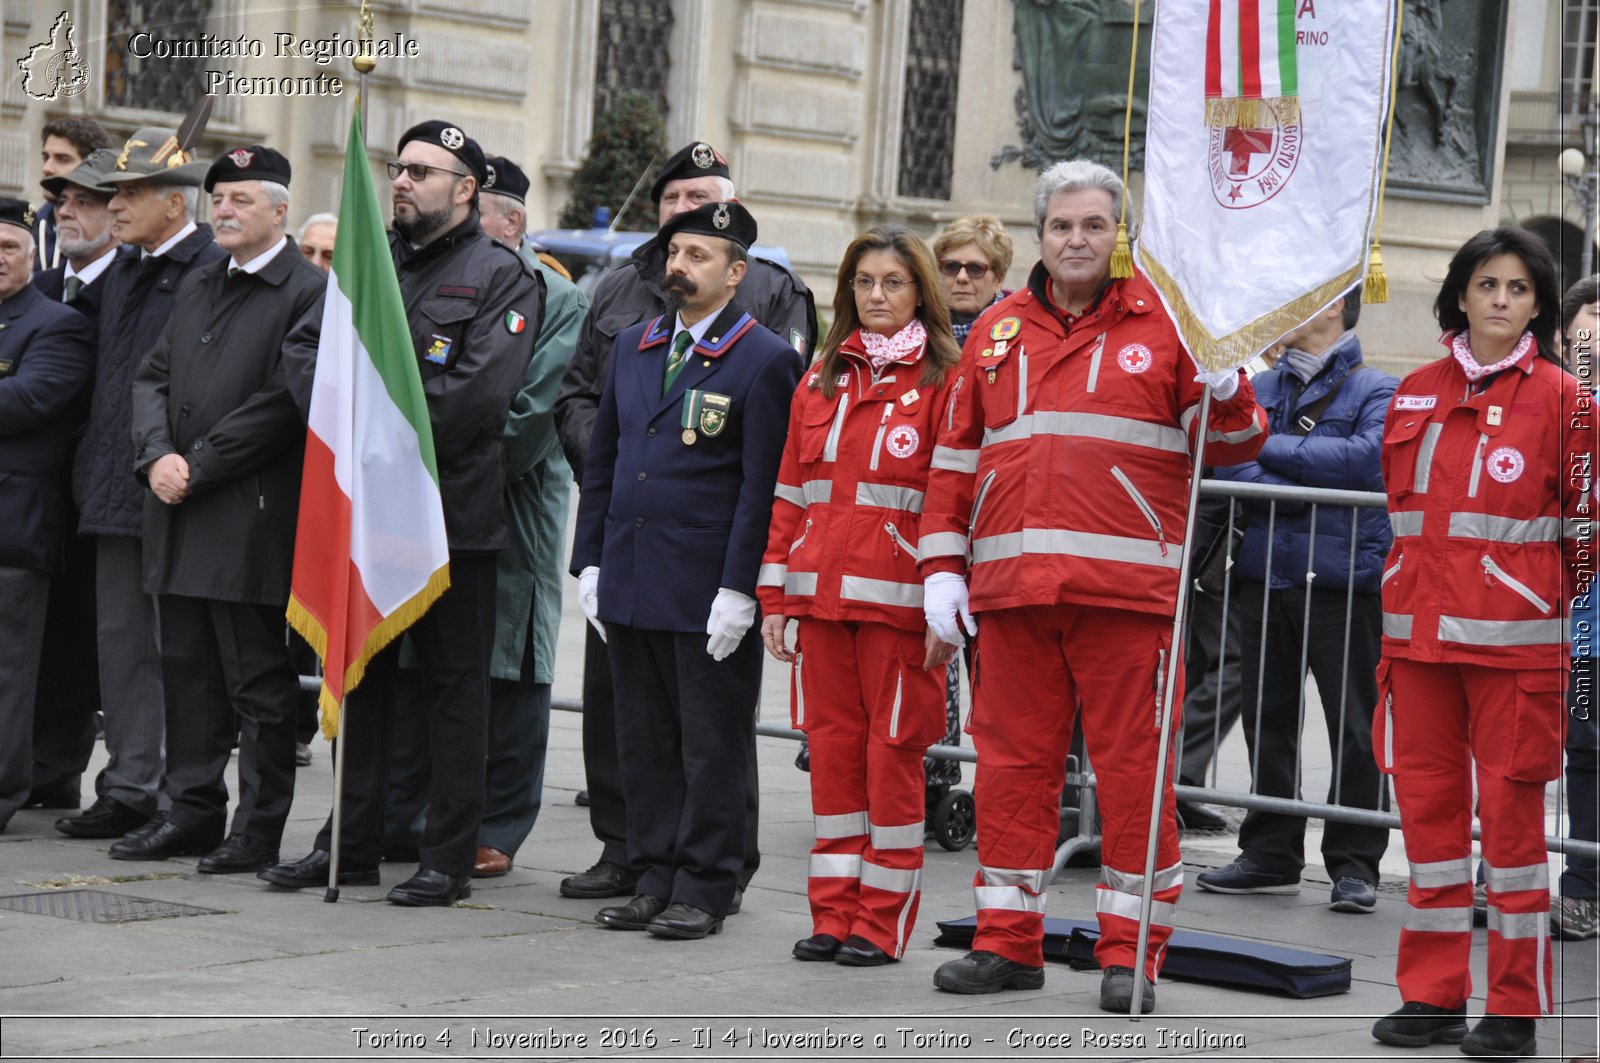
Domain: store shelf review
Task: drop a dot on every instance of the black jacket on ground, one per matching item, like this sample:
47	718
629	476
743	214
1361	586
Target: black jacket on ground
213	390
138	298
632	293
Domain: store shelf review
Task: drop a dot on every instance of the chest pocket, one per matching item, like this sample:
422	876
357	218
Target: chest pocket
1002	387
821	422
612	324
1408	443
446	327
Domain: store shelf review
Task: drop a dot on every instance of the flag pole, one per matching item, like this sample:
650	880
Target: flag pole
363	62
1169	681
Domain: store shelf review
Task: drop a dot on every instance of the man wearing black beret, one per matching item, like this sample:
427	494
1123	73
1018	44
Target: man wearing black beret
219	441
475	310
672	522
631	293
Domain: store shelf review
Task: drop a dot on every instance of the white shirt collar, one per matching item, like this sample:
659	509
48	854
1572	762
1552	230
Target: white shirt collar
257	264
699	329
174	242
92	271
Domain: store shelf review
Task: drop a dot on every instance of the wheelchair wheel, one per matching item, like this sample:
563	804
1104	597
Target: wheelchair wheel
955	821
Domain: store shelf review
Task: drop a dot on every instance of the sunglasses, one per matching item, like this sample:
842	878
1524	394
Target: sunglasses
417	171
976	270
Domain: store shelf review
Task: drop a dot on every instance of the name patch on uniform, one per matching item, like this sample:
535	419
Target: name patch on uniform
1135	358
456	291
1505	464
843	381
438	351
814	380
1415	402
902	440
1005	328
909	397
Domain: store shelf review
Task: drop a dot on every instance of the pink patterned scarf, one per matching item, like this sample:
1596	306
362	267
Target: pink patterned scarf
901	347
1462	350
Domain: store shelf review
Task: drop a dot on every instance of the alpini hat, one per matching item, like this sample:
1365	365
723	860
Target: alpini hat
152	154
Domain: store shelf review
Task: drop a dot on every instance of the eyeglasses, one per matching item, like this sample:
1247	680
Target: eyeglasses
417	171
890	285
976	270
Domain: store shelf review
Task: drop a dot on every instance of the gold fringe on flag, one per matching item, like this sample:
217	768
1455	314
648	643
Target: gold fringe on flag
1377	284
1122	253
1237	112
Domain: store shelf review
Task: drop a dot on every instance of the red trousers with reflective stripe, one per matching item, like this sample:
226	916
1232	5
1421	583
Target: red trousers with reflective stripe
1445	718
870	713
1036	670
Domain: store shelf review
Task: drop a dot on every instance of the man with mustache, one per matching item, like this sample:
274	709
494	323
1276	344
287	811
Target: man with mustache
63	145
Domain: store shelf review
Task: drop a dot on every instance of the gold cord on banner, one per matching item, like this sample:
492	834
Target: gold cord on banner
1376	289
1121	252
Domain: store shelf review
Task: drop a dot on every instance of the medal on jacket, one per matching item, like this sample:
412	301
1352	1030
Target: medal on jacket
706	411
989	361
688	437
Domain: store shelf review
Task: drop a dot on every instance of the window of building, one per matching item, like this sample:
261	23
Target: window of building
928	124
157	84
1578	31
632	52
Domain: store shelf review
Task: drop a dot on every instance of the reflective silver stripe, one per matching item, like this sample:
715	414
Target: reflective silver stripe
830	449
1022	380
942	544
1406	524
1519	925
835	865
1424	470
818	491
908	836
1187	419
800	584
1502	529
1077	544
1035	880
890	879
1388	731
1440	873
1009	898
889	496
1166	878
1512	879
1477	465
1255	429
1397	625
1094	362
1092	425
881	592
953	460
790	494
894	711
1581	530
844	825
1502	632
1439	920
1126	905
772	575
799	689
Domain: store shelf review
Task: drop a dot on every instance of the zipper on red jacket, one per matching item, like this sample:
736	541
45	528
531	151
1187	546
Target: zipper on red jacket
1392	571
899	540
1477	465
894	713
1144	507
1512	584
950	407
977	506
877	442
798	543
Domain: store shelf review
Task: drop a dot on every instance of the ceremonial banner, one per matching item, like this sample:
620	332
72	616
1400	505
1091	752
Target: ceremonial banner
370	550
1262	163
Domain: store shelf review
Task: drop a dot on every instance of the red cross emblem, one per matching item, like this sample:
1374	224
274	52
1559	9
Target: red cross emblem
1506	464
1134	358
902	440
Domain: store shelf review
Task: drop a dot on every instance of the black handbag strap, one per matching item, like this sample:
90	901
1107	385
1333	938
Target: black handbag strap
1308	418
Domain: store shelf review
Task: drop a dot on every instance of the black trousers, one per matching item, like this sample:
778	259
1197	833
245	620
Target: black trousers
69	675
1210	664
685	724
225	667
608	812
453	640
1273	839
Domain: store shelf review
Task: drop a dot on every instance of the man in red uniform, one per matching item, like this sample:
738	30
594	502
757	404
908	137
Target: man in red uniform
1060	490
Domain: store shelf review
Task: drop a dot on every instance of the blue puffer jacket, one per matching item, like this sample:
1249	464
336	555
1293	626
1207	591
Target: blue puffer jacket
1340	452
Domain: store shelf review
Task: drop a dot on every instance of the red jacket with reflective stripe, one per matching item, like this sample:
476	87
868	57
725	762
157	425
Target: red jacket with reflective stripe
1489	505
1062	472
843	539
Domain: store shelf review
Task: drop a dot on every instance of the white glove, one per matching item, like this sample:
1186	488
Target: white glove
1223	383
732	614
589	598
944	603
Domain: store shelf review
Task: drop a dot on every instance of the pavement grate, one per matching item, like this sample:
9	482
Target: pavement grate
98	906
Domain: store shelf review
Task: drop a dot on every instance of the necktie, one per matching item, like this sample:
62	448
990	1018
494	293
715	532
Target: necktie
675	360
74	284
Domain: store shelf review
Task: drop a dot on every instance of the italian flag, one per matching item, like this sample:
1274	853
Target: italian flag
1251	69
370	549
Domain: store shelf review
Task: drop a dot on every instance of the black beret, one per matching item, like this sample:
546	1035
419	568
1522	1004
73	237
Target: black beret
697	160
255	163
730	221
90	174
16	212
451	139
505	178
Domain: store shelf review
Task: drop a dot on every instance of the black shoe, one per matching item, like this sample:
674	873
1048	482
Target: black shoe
431	889
56	795
635	915
1417	1025
1116	992
302	755
149	826
737	902
238	854
1244	875
1501	1037
106	818
313	871
169	839
684	922
986	972
581	799
1351	894
818	948
604	879
1199	817
857	951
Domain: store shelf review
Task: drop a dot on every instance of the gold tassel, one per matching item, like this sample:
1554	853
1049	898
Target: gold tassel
1121	254
1376	289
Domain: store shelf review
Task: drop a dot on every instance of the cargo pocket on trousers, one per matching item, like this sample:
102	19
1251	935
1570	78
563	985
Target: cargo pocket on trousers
1383	721
1536	727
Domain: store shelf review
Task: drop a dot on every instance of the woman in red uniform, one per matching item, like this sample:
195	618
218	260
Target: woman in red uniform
842	558
1483	451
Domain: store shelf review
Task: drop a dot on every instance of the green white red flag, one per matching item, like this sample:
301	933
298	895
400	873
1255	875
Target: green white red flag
1258	216
370	548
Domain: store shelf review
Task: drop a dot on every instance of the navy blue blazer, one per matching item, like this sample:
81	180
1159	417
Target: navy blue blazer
667	521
